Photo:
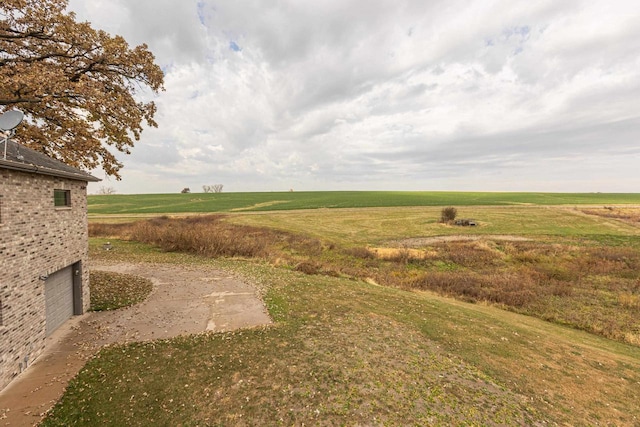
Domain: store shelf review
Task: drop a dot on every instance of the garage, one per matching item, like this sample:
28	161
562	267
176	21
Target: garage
58	292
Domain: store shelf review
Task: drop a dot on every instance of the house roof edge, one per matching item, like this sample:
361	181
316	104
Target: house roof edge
27	167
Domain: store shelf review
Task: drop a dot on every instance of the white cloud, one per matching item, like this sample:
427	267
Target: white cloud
487	95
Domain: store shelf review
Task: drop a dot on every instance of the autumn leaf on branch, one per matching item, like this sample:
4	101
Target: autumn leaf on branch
76	85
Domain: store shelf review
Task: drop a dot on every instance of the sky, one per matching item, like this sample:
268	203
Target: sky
452	95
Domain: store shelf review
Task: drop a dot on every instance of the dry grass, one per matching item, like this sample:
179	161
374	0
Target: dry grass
345	352
588	286
628	214
206	235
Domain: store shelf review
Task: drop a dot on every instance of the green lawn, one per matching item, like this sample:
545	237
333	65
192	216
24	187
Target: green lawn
227	202
345	352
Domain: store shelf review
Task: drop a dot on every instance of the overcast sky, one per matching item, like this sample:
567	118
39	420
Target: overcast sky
504	95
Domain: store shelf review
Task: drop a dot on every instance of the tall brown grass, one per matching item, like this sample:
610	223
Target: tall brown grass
207	235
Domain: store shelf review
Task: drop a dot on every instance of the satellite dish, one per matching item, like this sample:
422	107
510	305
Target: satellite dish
11	119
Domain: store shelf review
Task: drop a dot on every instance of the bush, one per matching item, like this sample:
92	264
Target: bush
448	214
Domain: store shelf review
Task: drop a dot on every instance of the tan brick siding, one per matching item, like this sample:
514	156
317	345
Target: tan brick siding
36	239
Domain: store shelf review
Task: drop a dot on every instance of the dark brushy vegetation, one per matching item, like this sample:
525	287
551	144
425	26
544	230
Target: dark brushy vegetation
110	291
448	214
584	284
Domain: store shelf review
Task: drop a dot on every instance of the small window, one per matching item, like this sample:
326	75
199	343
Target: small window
62	198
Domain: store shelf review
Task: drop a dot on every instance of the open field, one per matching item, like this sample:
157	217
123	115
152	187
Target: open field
564	266
383	225
374	324
346	352
239	202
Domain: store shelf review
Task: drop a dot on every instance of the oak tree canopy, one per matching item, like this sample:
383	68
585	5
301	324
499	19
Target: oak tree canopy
76	85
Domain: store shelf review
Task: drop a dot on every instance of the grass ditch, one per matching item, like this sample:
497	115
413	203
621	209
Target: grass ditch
346	352
580	283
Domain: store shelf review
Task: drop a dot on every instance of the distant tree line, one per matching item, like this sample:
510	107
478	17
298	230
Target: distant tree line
104	191
215	188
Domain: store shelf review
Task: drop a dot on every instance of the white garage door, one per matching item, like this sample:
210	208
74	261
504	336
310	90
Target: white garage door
58	293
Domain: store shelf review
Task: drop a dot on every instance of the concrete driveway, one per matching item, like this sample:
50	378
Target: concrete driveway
184	300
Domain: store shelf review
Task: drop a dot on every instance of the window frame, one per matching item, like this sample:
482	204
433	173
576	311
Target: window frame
61	198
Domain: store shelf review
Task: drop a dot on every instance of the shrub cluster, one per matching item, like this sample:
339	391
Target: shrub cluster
448	214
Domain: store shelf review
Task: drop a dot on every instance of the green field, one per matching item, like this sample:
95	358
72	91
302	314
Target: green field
228	202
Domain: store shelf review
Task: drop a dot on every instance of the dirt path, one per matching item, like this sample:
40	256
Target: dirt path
422	241
184	300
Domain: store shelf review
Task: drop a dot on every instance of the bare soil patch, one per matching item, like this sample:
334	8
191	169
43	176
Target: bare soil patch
260	205
416	242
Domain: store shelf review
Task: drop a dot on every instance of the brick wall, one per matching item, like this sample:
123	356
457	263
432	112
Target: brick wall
36	239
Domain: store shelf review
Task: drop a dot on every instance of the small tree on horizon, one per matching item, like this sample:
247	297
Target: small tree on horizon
216	188
105	191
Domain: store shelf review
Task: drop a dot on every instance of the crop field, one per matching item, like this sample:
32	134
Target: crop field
386	316
269	201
